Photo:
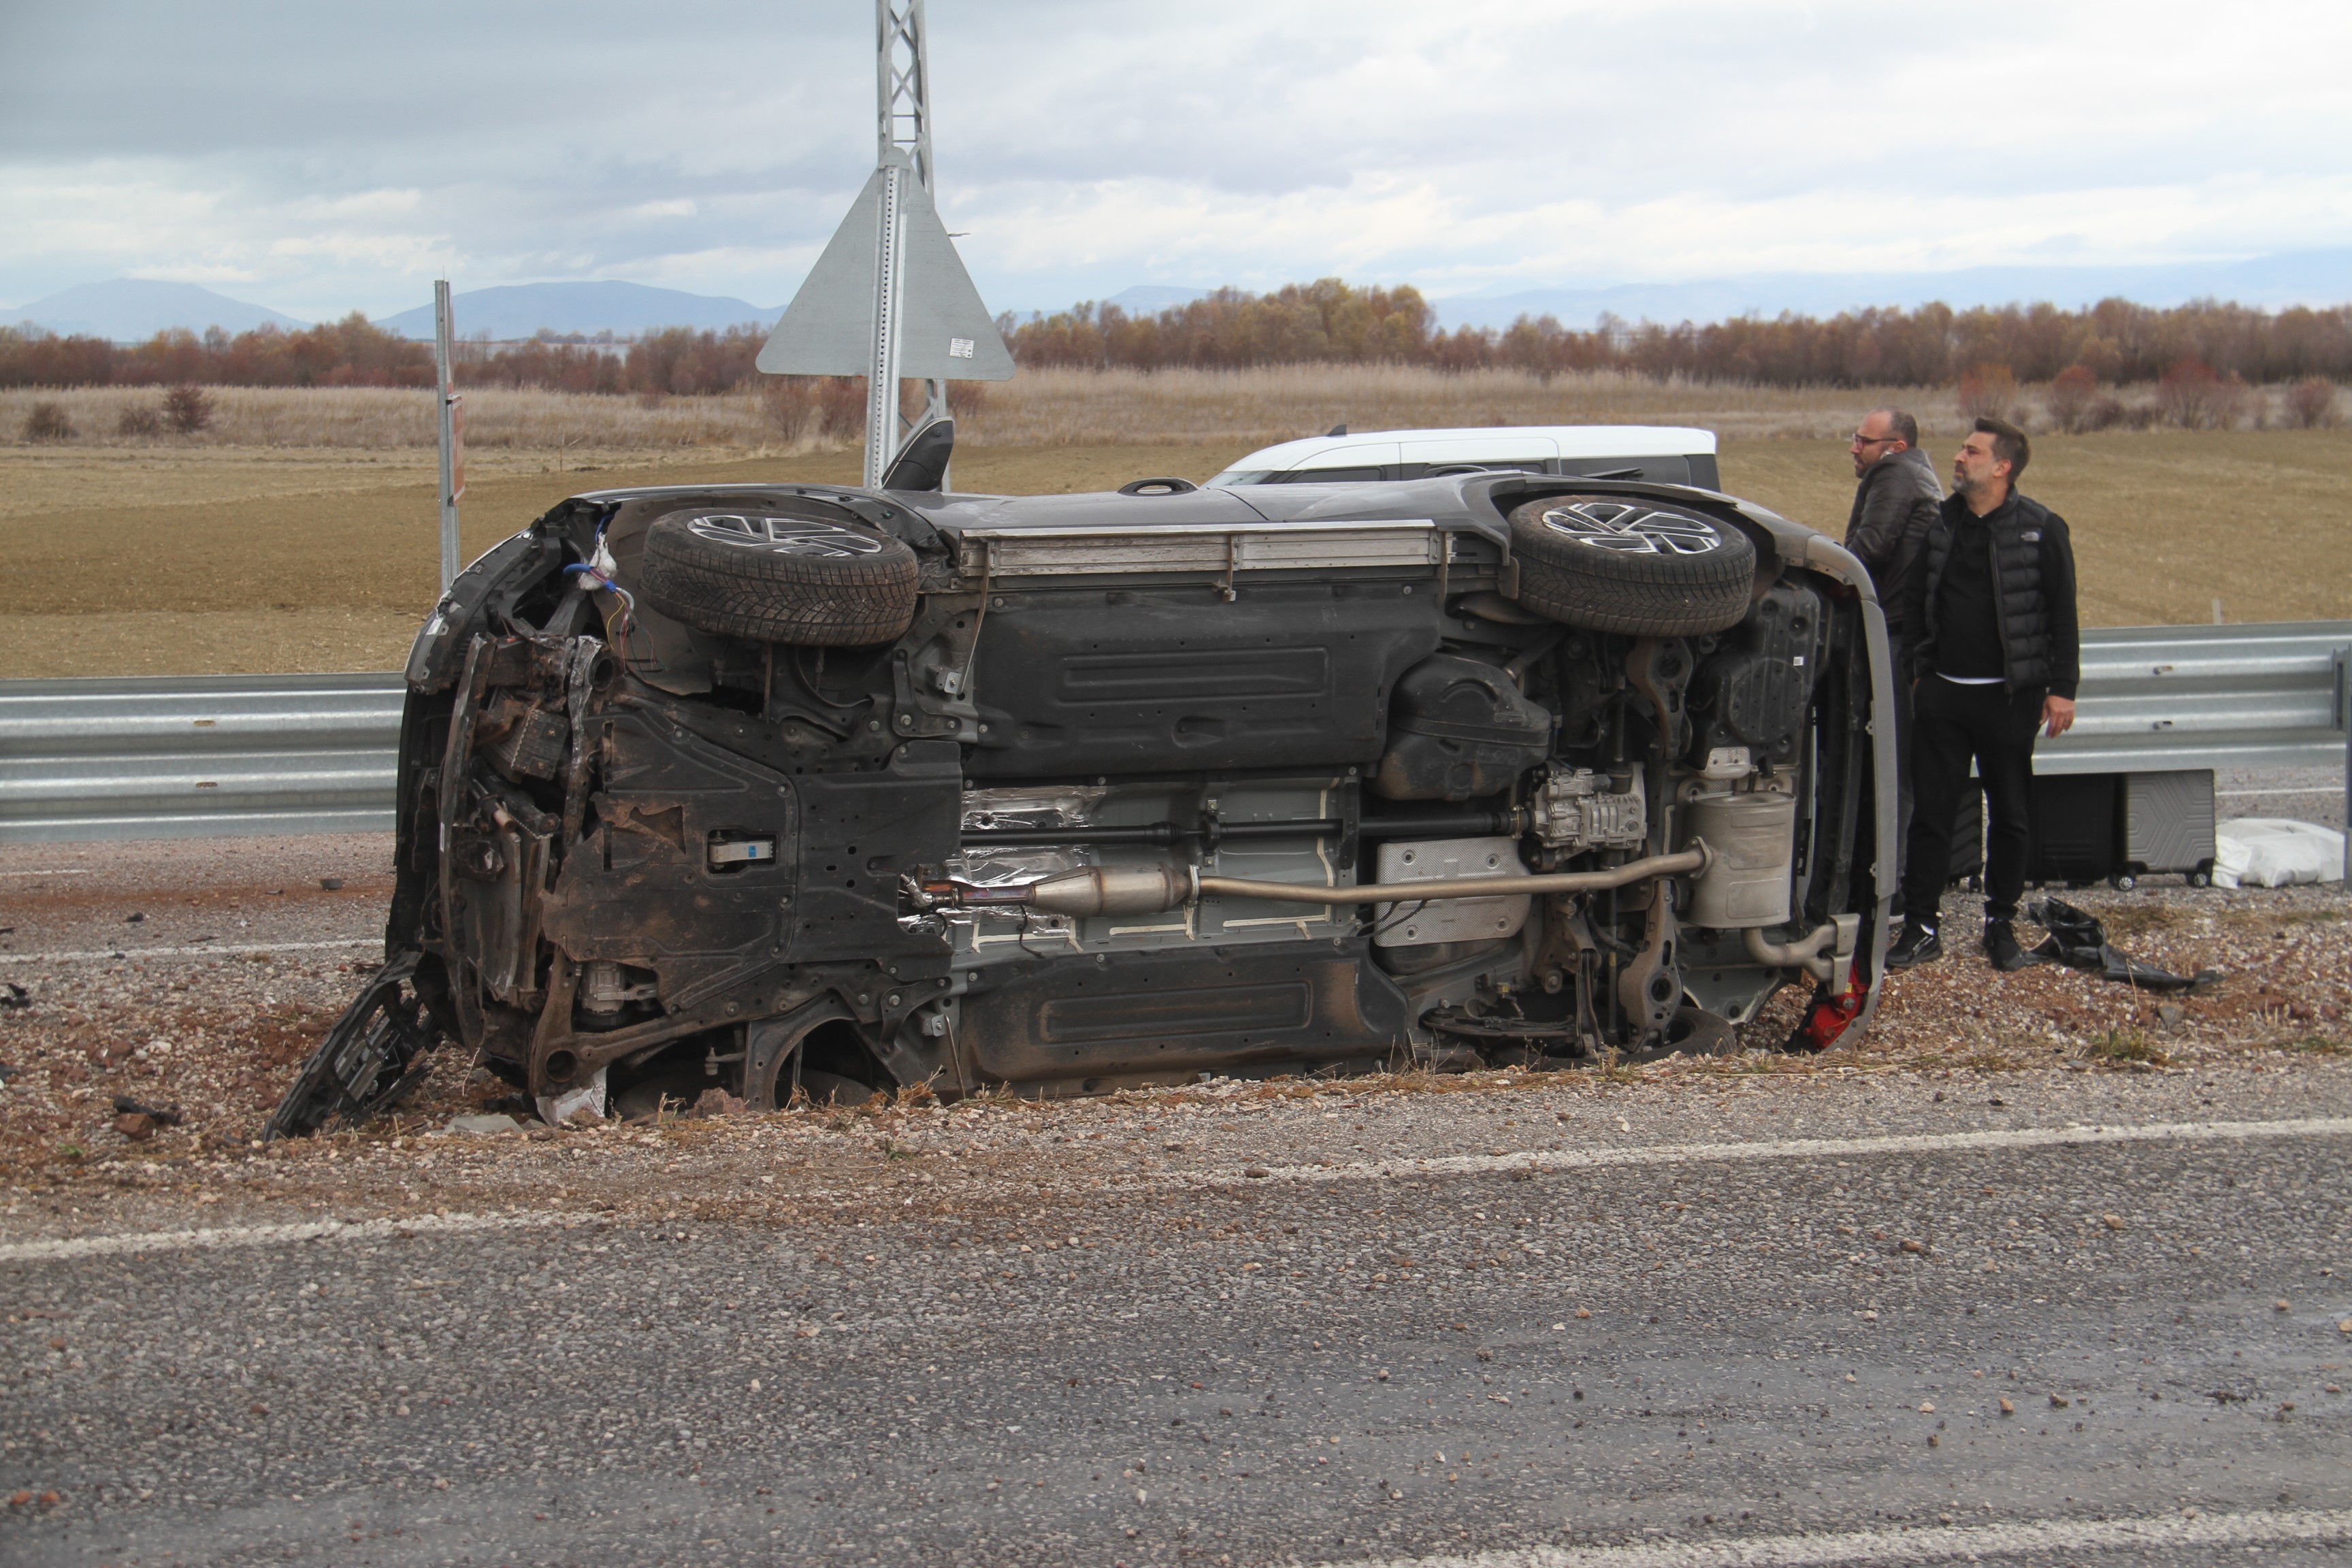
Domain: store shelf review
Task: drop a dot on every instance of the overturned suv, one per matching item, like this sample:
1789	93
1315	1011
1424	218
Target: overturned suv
803	790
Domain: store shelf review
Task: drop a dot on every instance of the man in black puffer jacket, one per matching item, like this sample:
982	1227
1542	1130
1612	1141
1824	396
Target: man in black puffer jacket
1996	658
1896	503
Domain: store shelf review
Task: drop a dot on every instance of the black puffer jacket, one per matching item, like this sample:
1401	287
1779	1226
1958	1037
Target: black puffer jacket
1895	505
2033	570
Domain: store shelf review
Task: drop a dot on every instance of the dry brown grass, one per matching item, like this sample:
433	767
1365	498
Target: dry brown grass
1243	409
2164	521
1038	409
1258	408
298	533
385	419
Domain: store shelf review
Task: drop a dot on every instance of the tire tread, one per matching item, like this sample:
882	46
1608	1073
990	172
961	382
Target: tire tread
1635	596
767	597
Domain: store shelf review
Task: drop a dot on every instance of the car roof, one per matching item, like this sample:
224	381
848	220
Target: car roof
1502	443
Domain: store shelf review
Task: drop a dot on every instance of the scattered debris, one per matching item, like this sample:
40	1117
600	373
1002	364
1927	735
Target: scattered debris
331	884
2171	1017
478	1125
584	1102
134	918
718	1103
15	998
140	1123
2078	940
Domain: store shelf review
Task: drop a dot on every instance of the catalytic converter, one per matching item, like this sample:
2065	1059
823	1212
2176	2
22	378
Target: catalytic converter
1088	890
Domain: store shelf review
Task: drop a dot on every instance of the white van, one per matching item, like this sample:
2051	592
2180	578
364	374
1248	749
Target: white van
1659	454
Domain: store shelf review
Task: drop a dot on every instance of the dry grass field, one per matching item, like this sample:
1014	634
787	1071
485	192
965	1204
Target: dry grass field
1244	409
298	533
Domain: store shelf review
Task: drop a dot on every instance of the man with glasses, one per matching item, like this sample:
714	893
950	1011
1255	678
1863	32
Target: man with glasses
1998	657
1895	497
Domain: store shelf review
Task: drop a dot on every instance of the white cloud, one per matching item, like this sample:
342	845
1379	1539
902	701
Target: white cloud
322	158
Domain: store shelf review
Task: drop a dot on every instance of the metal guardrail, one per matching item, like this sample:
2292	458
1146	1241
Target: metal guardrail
200	756
171	757
2159	697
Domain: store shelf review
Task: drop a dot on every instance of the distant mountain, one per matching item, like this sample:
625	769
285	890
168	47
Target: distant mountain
521	309
2307	277
132	310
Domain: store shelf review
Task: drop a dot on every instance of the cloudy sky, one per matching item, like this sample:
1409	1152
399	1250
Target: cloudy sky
321	157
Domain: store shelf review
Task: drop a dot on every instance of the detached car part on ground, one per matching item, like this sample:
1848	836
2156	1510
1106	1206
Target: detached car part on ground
779	788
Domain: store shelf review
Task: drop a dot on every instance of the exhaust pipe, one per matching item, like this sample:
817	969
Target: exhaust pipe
1152	890
1690	861
1825	953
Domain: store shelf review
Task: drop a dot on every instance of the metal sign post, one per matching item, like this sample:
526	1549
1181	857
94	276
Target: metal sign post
453	456
890	283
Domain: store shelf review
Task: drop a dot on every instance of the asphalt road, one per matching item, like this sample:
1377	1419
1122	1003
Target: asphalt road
1655	1359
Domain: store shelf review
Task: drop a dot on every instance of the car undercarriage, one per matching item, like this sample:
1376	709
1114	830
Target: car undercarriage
803	791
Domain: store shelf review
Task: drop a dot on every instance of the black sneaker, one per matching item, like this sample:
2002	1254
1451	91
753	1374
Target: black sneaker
1918	944
2000	947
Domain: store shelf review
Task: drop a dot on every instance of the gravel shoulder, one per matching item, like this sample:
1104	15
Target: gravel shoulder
241	958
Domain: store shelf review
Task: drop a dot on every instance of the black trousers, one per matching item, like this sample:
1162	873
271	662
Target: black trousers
1952	725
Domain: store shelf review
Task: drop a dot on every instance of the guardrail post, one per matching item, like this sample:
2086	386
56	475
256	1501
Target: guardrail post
2344	713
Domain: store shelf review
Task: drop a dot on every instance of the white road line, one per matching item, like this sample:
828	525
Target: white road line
1789	1149
270	1234
1968	1543
206	949
1452	1165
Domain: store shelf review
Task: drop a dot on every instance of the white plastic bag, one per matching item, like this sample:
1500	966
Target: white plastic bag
583	1103
2273	852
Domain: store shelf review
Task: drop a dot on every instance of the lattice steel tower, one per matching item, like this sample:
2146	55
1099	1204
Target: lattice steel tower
902	92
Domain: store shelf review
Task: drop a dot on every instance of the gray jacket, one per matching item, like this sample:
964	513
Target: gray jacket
1895	505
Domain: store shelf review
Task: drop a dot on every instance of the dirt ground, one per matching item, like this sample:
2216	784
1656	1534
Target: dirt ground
196	975
216	560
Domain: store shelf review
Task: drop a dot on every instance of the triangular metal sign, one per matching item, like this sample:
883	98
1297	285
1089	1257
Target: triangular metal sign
945	333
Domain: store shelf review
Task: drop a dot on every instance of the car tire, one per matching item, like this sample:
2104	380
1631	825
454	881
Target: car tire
1622	563
774	578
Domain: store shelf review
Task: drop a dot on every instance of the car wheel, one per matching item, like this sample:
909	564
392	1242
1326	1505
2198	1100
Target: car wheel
1620	563
772	578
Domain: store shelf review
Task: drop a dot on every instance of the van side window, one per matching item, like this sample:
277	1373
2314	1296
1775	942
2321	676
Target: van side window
1483	466
1329	476
1652	470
